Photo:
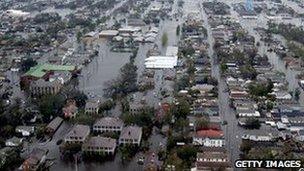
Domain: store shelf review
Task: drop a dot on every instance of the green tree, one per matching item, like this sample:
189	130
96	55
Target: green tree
11	160
51	105
27	64
178	30
201	123
78	96
297	94
182	109
245	146
187	154
107	105
7	131
223	67
164	39
40	130
128	152
252	123
79	36
174	160
258	89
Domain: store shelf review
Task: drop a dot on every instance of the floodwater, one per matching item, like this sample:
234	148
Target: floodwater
106	67
102	69
232	131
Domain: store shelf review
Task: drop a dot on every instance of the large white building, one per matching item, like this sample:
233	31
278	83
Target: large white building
161	62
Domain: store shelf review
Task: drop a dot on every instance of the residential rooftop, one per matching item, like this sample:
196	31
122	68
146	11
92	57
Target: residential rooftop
100	142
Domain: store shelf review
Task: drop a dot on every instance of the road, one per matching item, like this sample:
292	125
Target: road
232	131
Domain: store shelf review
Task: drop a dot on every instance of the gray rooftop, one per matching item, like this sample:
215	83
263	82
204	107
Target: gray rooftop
212	155
92	104
36	155
79	131
43	83
100	142
131	132
25	128
109	121
55	123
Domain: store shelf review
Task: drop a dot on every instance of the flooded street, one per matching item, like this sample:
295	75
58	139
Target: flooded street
197	102
105	67
232	131
102	69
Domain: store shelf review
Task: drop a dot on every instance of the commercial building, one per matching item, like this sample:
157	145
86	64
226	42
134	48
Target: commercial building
42	87
43	71
167	61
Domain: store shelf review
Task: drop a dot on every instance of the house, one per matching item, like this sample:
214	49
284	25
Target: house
245	104
209	138
25	130
287	110
239	95
92	107
53	125
108	124
70	110
14	142
129	30
281	95
108	34
130	135
203	88
35	159
248	113
77	134
296	123
234	82
259	137
300	135
99	145
42	87
212	160
274	77
136	22
136	107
